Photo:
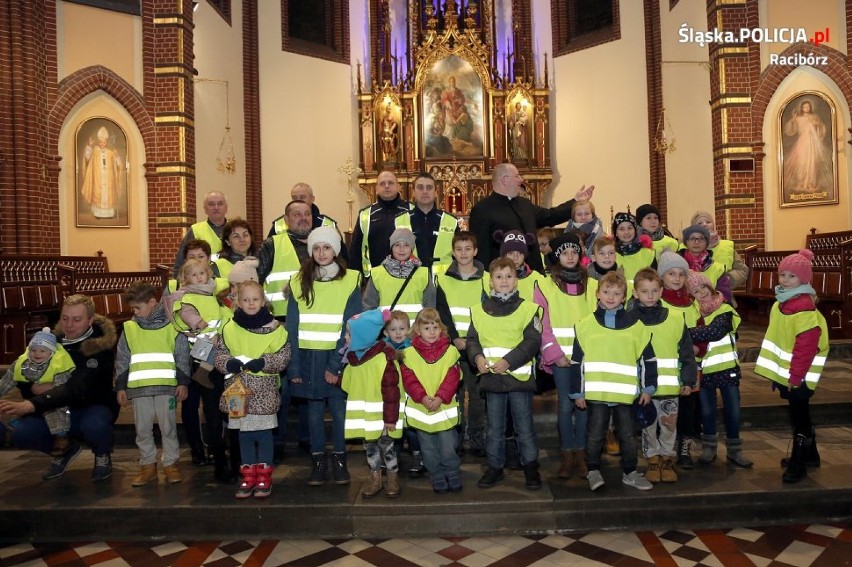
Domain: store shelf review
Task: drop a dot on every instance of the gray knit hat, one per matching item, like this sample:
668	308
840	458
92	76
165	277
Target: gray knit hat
669	261
690	230
403	235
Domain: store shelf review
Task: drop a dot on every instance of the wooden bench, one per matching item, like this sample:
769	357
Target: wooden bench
831	280
33	287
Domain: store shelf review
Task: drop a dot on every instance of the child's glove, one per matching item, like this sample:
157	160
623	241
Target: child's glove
255	365
234	365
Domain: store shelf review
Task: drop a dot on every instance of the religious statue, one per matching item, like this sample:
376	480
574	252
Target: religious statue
518	131
390	135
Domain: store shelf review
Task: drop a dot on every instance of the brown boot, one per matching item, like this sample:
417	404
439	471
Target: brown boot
392	490
146	474
375	485
173	473
580	463
653	474
667	471
566	468
60	445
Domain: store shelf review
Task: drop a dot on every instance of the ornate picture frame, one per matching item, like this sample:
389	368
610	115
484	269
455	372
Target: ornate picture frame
102	165
453	111
807	151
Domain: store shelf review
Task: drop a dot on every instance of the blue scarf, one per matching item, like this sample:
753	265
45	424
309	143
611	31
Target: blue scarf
782	294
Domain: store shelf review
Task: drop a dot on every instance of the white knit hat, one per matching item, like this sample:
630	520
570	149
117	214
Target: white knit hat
324	234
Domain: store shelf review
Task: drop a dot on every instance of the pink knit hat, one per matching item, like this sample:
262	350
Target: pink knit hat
695	280
800	264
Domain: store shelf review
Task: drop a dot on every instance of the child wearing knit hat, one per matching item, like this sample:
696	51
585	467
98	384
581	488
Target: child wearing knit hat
371	379
515	245
696	242
715	337
323	295
793	355
44	362
673	269
635	251
401	282
648	222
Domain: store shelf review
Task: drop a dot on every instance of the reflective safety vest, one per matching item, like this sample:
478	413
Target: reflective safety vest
566	310
690	312
526	286
411	300
665	338
431	375
321	323
776	351
364	223
152	355
665	243
611	360
364	406
203	231
443	251
245	345
715	271
221	284
723	253
280	224
722	354
225	266
461	295
285	265
60	362
632	263
209	310
499	335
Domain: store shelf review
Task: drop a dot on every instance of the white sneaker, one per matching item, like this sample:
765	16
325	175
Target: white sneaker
595	480
636	480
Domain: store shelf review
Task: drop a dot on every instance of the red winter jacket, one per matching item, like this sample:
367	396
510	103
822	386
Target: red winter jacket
807	342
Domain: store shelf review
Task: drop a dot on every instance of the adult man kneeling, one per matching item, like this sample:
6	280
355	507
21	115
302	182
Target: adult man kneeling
90	340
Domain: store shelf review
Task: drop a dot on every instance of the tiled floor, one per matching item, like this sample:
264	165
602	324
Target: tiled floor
812	545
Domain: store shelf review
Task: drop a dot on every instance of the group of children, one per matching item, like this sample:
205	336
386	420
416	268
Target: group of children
467	366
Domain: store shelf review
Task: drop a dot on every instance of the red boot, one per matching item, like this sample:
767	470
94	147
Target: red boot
263	488
248	482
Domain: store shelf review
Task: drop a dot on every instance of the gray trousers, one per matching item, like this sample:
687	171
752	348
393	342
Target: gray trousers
145	410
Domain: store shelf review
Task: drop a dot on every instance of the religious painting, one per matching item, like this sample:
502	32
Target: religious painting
808	156
452	110
101	173
519	123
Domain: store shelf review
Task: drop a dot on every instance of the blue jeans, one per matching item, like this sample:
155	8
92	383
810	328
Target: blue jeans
622	416
570	420
262	453
316	422
93	424
439	451
730	410
520	406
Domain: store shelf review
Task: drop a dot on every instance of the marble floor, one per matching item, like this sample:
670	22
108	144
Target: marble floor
816	545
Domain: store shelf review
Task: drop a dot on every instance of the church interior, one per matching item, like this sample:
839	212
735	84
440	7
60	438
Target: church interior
737	107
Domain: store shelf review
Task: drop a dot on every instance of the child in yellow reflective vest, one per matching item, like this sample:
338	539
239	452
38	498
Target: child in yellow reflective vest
372	382
430	375
714	338
253	346
46	364
793	355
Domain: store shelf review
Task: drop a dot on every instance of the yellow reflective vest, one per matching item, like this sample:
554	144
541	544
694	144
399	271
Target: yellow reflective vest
208	308
245	345
526	286
461	294
611	360
443	251
499	335
690	312
203	231
722	354
632	263
431	375
776	351
665	338
665	243
566	310
321	323
280	224
152	355
411	300
364	406
60	362
285	265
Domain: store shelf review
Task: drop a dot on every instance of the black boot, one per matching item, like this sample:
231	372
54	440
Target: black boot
811	457
319	470
199	457
532	478
797	468
338	468
416	468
